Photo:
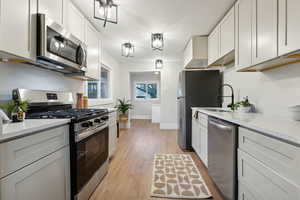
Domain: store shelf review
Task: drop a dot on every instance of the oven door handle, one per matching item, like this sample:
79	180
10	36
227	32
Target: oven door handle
88	133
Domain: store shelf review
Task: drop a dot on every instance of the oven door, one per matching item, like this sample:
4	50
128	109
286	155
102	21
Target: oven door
92	153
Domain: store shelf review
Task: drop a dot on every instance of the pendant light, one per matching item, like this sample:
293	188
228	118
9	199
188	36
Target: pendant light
159	64
106	11
127	49
157	41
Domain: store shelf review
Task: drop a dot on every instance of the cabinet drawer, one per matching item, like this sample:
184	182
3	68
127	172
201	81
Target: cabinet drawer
24	151
279	156
264	182
46	179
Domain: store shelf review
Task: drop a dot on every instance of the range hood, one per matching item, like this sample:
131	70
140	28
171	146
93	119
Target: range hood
196	53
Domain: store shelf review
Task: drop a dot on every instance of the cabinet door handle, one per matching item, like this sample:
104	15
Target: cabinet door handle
286	21
29	25
256	27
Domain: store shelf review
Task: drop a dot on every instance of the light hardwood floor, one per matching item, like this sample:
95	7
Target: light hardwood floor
130	172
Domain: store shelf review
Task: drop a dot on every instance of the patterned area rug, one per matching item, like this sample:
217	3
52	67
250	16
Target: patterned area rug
176	176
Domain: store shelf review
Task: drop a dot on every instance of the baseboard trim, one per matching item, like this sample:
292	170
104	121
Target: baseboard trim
141	117
168	126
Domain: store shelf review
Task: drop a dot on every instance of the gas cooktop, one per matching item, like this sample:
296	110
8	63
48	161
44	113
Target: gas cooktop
68	113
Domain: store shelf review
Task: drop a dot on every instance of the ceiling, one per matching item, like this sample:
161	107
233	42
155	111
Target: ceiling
177	19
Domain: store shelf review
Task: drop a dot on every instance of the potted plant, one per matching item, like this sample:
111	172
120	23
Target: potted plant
123	108
15	106
245	106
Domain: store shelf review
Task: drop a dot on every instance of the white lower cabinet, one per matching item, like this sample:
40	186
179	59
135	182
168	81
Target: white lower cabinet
267	168
112	133
46	179
196	136
199	136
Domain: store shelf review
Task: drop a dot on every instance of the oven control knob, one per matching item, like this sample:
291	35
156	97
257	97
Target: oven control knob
98	121
85	125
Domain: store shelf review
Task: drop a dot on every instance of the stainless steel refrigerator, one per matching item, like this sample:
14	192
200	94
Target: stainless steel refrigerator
195	89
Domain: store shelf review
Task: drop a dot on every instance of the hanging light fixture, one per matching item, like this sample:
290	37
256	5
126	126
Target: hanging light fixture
127	49
157	41
106	10
159	64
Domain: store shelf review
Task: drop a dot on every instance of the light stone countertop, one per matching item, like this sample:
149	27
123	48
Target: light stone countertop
29	126
282	129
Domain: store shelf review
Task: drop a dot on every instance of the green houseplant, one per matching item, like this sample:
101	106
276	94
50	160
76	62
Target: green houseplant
123	107
245	105
11	106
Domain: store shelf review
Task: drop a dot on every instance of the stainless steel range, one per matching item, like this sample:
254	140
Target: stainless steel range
88	136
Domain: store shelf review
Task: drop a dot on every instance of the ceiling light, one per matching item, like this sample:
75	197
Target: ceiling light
159	64
127	49
106	10
157	41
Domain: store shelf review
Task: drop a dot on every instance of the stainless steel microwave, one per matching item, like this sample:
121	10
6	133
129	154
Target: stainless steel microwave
59	50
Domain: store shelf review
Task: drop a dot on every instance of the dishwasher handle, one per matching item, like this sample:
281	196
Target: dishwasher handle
220	126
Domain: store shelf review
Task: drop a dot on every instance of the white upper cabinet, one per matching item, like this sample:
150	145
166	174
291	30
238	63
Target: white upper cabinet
227	33
54	9
195	52
76	22
244	34
289	30
221	41
264	30
214	45
17	27
92	42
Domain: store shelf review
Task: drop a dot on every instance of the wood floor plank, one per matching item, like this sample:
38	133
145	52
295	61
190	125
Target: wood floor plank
130	172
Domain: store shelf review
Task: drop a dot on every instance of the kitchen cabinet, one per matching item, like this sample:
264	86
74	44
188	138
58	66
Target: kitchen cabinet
37	166
31	148
18	27
288	30
267	167
214	45
76	21
195	52
92	42
53	9
45	179
227	33
199	135
244	34
264	30
221	41
112	133
196	133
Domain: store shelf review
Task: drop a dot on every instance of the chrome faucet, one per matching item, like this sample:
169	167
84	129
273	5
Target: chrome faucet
231	96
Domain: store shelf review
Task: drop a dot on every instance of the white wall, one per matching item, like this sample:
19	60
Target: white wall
143	108
13	75
272	92
169	81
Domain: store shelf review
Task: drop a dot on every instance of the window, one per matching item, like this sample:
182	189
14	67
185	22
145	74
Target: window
104	83
100	89
146	91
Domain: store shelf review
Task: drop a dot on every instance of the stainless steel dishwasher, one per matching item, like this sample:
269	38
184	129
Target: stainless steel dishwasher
222	156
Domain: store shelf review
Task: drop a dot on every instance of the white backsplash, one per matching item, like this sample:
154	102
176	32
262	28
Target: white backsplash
272	92
13	75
